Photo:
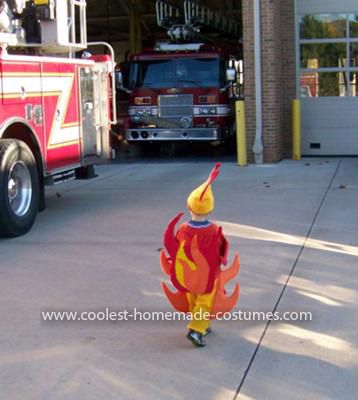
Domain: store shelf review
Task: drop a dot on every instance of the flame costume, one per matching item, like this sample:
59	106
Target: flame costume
195	254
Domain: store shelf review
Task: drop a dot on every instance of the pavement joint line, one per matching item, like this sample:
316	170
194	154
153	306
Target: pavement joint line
288	279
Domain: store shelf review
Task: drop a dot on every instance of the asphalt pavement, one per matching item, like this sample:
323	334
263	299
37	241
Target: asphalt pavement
96	248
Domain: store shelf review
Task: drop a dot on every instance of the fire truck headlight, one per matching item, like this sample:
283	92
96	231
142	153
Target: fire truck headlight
208	110
224	110
143	111
212	111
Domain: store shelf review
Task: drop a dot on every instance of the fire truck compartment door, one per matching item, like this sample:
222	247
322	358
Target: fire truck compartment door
94	111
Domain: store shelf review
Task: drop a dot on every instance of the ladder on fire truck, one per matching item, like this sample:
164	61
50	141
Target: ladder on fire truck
196	20
62	25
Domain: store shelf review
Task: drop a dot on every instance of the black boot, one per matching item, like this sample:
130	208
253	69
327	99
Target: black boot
196	338
206	333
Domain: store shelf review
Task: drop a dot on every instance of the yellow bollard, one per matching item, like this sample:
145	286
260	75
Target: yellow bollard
296	129
241	133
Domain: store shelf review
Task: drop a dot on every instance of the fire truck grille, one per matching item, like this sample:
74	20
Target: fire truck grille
176	106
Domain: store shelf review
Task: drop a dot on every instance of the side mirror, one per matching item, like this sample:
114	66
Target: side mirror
231	75
119	80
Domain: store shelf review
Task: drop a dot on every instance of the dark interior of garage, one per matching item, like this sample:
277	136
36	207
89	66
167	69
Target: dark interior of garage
131	26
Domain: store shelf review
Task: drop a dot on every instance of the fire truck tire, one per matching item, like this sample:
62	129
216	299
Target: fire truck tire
19	188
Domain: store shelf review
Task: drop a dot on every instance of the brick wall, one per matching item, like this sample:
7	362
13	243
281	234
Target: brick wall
278	75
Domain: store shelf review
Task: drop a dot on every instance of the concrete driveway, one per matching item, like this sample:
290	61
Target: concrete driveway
96	246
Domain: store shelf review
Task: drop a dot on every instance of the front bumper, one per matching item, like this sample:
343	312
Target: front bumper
183	135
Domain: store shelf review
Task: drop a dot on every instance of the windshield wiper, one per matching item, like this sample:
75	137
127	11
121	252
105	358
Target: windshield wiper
190	81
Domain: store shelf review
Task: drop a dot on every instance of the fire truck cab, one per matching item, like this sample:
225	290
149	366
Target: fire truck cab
56	107
183	90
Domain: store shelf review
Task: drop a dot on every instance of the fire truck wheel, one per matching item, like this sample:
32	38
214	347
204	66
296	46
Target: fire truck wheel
19	188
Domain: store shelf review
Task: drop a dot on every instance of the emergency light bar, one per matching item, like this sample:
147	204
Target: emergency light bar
178	46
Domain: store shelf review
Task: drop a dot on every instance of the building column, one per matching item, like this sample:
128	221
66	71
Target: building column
277	75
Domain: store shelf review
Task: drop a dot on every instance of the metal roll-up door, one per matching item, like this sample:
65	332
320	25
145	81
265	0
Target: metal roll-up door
327	81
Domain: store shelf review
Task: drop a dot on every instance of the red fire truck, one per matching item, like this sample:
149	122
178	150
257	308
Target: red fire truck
55	111
183	90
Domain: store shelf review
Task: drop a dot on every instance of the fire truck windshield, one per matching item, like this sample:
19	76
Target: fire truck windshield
178	72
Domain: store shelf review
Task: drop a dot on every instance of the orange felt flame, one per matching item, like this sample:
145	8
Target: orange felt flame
177	299
223	303
165	262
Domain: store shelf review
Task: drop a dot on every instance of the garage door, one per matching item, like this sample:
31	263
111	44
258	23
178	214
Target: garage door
327	65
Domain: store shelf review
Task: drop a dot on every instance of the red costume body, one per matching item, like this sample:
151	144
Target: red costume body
211	242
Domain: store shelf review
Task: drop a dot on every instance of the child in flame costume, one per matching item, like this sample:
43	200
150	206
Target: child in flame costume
195	255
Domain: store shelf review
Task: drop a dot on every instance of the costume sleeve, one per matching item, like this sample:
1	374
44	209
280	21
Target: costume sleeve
180	231
224	248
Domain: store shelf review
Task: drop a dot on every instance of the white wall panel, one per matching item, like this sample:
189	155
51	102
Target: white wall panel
326	6
331	122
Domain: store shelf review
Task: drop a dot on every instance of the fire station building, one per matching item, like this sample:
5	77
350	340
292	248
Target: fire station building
306	49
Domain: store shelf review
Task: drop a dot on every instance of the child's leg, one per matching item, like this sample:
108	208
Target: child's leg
199	305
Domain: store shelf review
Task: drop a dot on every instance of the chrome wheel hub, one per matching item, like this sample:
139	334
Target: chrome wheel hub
19	188
12	189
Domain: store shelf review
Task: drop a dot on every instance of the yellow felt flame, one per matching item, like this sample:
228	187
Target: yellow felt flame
181	261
